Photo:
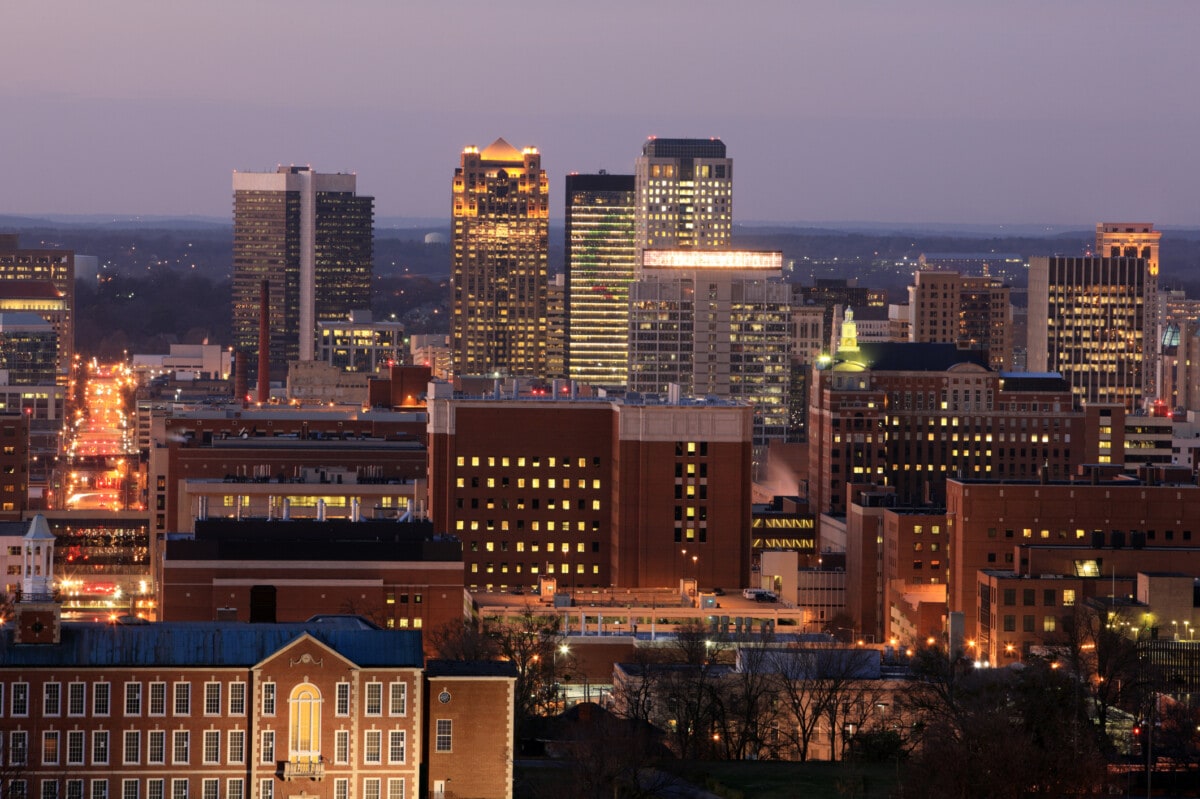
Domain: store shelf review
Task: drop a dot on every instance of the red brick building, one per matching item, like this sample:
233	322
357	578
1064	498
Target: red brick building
397	575
592	492
909	416
334	708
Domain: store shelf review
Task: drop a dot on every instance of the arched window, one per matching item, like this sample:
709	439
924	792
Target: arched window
305	706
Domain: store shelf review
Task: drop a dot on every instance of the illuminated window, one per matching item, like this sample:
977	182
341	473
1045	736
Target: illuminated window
305	729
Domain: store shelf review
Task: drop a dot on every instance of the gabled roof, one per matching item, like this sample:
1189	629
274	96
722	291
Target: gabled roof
215	644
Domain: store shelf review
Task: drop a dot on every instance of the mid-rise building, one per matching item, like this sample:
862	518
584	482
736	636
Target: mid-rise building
714	323
973	313
593	493
396	574
28	350
909	416
56	266
600	265
1088	322
309	237
360	343
684	195
216	709
500	209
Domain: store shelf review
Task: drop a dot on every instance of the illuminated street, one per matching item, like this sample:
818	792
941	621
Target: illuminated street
100	444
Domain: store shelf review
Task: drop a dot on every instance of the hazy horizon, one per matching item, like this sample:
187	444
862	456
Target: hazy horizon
961	114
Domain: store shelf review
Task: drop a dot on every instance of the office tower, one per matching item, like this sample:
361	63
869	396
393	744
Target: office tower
684	195
308	234
714	323
501	228
625	486
556	327
973	313
28	350
830	293
1087	322
360	343
55	266
1139	240
600	264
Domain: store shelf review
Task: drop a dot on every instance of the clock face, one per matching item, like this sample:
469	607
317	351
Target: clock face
444	697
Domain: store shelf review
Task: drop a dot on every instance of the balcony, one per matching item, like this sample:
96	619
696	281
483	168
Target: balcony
304	769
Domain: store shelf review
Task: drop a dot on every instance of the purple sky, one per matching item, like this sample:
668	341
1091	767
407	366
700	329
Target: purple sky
968	112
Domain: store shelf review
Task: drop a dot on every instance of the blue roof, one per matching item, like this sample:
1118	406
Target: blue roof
216	644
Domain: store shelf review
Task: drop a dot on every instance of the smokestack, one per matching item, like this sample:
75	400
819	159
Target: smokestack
264	342
320	510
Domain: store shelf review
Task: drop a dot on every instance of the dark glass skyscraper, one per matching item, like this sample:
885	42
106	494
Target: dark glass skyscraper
310	236
600	264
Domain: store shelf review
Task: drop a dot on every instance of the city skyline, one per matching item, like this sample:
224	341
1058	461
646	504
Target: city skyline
932	112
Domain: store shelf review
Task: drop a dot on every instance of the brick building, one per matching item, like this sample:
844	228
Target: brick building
397	575
909	416
593	492
333	708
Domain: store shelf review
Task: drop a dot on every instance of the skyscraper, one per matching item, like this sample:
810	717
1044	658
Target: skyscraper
975	313
501	217
684	195
1139	240
1087	321
600	263
714	323
310	236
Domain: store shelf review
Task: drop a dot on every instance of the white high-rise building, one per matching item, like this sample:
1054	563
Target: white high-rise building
684	195
714	323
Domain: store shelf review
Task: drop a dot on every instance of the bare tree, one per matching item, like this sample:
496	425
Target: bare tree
462	640
818	686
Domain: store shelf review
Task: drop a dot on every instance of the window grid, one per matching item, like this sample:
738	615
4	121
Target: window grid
133	746
237	746
212	698
99	789
396	746
373	747
179	747
266	788
444	740
237	699
158	699
179	789
156	751
371	788
100	747
268	746
341	746
20	699
51	698
50	748
183	701
74	789
342	699
396	788
133	699
212	747
101	698
398	700
129	789
75	748
210	789
268	699
374	703
154	789
76	699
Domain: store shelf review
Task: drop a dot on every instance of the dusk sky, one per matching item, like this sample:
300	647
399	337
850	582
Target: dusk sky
917	111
